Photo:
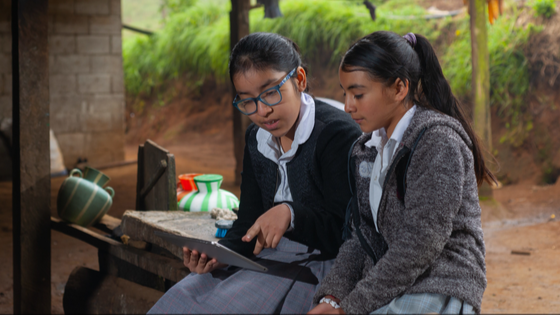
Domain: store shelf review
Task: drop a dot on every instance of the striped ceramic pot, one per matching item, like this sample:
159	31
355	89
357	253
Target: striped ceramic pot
81	201
95	176
208	196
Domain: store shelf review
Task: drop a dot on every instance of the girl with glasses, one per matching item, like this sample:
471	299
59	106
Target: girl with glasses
417	245
294	191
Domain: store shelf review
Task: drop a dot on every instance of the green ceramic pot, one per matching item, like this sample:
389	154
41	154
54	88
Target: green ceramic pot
209	195
95	176
81	201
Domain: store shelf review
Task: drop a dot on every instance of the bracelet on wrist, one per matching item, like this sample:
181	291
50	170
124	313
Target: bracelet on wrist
329	301
334	298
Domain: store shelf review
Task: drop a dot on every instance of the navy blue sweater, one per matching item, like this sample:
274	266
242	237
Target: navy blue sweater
318	180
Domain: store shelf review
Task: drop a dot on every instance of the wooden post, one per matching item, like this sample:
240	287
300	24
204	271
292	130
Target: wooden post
481	79
239	27
31	157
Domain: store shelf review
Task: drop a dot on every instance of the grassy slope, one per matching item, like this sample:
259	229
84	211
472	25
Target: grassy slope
179	50
144	14
196	41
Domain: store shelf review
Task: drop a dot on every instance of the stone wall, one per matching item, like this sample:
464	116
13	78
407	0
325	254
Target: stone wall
86	78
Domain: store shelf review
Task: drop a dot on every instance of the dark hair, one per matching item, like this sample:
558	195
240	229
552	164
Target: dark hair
387	57
262	51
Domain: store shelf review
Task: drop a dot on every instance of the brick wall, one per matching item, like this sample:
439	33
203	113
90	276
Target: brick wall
86	78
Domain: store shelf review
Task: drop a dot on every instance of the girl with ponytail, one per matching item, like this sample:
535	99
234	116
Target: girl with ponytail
294	191
416	242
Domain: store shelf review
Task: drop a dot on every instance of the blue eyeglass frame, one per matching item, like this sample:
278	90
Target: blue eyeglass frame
258	98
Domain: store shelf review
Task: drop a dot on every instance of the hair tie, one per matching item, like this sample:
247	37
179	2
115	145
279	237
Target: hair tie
411	38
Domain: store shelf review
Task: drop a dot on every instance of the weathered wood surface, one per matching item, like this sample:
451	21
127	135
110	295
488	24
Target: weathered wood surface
141	225
91	292
31	157
107	223
163	194
140	202
169	268
111	265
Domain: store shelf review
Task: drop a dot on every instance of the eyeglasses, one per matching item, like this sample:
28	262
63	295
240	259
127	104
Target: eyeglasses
268	97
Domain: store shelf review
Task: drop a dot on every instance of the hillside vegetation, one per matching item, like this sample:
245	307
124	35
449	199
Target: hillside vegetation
195	41
192	47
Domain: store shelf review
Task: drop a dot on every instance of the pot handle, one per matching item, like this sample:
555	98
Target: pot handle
76	171
110	191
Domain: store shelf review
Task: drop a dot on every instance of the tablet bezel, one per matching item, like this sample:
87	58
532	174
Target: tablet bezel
213	250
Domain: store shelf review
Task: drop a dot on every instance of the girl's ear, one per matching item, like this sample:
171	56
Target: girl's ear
401	89
301	79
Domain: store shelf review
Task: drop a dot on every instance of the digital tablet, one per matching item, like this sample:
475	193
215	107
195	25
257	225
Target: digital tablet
212	250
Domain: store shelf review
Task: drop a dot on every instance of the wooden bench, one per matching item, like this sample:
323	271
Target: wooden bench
135	268
149	264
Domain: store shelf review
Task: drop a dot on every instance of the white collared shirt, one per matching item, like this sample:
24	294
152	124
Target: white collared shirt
386	149
270	147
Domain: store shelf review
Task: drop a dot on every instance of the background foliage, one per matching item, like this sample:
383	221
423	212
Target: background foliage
195	39
509	74
544	8
194	42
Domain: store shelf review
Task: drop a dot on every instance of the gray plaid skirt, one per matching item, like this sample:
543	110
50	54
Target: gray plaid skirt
424	303
295	272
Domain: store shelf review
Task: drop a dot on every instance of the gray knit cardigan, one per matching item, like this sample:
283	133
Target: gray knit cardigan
429	242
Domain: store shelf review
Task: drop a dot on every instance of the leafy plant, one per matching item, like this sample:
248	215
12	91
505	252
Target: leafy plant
509	75
544	8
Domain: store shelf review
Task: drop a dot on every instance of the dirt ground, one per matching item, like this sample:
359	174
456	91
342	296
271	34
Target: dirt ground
518	219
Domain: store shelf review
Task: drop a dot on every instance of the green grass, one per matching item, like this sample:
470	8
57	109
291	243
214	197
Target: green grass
144	14
195	41
149	14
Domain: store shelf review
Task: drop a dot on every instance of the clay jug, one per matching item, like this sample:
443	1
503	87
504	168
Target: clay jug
209	195
95	176
81	201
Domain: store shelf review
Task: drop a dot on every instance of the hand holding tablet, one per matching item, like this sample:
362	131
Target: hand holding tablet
199	262
213	251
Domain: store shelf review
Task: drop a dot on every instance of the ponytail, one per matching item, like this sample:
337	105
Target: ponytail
437	95
387	56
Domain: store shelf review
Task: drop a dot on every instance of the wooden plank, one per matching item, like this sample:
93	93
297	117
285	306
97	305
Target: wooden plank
141	225
239	27
91	292
140	203
107	223
168	268
171	183
31	157
111	265
83	234
163	196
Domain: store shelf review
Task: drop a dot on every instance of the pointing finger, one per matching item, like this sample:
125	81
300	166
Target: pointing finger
252	232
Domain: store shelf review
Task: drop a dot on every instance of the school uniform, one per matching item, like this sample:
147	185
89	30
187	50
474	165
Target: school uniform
312	180
424	230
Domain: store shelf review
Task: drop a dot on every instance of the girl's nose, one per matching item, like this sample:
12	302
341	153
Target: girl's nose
263	109
348	106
